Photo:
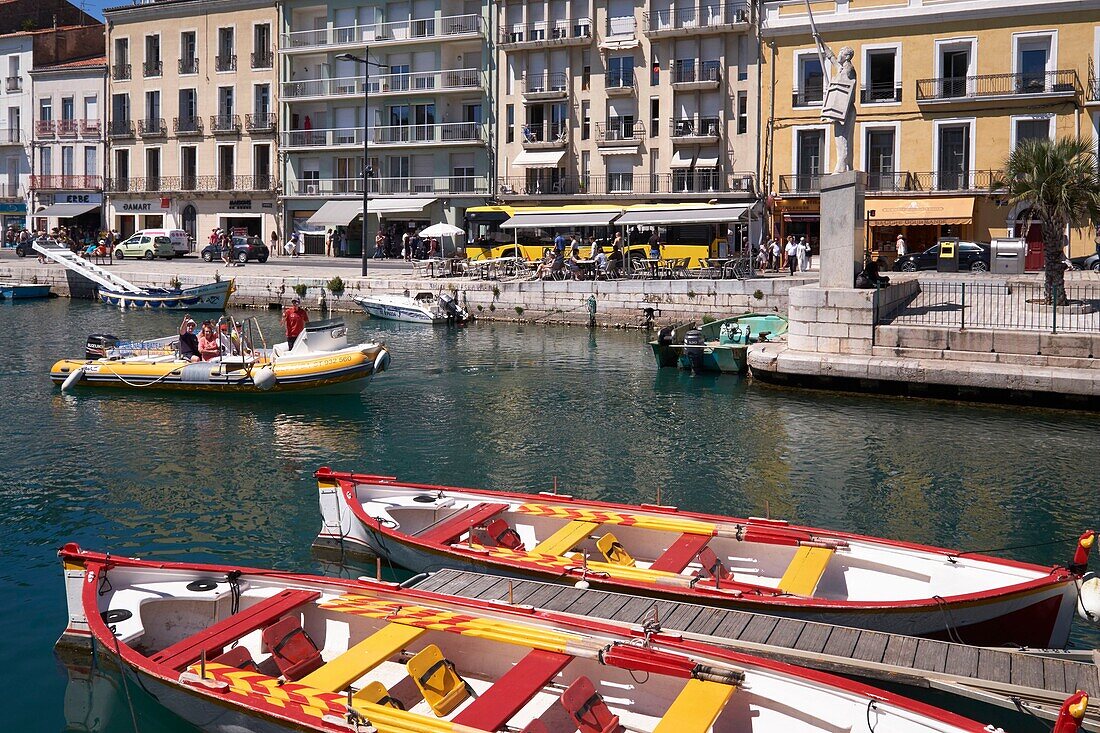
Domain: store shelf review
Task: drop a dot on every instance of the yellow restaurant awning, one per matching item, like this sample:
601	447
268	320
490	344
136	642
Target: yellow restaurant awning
912	211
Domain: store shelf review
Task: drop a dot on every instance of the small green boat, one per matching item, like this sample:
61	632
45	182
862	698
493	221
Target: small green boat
718	346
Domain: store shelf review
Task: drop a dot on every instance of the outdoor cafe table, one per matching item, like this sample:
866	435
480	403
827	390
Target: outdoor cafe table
719	264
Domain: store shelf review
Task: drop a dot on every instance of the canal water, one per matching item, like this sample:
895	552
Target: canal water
492	405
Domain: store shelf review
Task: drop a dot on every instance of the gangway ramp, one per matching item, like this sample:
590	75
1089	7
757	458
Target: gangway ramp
81	266
1034	681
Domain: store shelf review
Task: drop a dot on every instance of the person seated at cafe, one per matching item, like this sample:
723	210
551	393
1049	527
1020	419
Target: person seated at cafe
602	263
543	270
189	342
209	343
572	264
615	260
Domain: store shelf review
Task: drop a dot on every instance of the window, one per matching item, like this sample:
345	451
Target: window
45	161
68	109
122	166
189	53
152	169
880	160
1033	128
810	161
620	72
742	113
654	117
122	50
586	120
225	102
153	65
45	109
189	111
91	107
262	100
586	70
953	157
471	112
227	55
1032	58
226	170
67	155
620	175
189	167
811	81
510	122
398	77
954	66
152	108
620	127
261	167
880	86
261	46
655	70
399	166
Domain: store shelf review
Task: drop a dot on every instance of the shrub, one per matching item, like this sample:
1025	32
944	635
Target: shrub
335	285
758	294
492	307
480	308
300	290
519	310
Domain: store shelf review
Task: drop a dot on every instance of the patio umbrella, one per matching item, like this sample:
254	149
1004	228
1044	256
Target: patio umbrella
442	230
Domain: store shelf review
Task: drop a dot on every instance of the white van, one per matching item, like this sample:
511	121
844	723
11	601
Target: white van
180	241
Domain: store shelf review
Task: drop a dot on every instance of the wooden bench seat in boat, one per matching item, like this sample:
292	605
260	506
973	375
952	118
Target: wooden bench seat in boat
696	707
680	554
214	638
565	539
453	526
507	696
383	644
805	571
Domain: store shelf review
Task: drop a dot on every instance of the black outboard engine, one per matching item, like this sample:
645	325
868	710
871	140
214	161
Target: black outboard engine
694	343
99	344
452	309
664	336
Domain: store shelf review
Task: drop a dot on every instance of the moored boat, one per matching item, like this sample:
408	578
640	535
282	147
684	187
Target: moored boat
717	346
209	297
231	649
23	291
321	361
761	565
420	308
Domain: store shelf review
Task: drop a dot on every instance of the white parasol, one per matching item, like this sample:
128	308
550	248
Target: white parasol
442	230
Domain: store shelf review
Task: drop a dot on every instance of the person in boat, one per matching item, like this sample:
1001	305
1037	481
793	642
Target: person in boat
209	343
189	342
294	320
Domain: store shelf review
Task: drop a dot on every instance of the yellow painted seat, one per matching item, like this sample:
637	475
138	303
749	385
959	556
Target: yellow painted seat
363	657
614	551
440	684
696	707
377	694
805	571
565	539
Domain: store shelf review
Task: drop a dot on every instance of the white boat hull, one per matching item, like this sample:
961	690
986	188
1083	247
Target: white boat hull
211	297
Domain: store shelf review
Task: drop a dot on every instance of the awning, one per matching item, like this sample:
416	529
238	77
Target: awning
66	211
632	150
714	214
681	159
900	212
706	160
539	158
336	213
802	217
398	206
548	219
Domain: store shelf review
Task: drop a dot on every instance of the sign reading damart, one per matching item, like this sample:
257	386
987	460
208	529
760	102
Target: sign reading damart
140	207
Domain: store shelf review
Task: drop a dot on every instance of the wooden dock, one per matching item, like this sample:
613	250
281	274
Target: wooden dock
1031	681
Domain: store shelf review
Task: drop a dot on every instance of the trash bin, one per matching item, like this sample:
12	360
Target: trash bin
1006	256
948	260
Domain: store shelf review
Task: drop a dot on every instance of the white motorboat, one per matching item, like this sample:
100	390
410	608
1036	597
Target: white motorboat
424	307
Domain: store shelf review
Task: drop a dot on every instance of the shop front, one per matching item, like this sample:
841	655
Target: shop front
798	218
128	216
13	214
76	210
921	222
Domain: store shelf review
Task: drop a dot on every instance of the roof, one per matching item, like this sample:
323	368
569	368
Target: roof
41	31
78	64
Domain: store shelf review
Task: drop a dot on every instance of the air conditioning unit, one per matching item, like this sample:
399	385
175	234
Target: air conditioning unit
311	189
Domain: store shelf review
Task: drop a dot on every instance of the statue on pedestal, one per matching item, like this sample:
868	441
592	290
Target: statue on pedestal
838	103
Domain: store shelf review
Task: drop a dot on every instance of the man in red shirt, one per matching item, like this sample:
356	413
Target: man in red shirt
294	319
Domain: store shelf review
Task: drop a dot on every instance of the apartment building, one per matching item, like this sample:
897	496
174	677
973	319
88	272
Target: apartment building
423	101
948	89
66	187
192	116
627	100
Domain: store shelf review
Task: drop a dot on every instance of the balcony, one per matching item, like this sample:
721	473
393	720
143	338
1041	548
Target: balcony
152	68
619	83
548	135
891	182
805	184
120	129
120	72
91	128
691	75
404	186
333	138
1025	86
67	183
1094	89
619	132
451	27
688	182
10	191
385	84
14	84
696	20
259	122
447	133
695	131
262	59
880	93
158	184
225	124
152	127
548	86
189	66
45	128
225	62
11	136
562	32
187	126
67	128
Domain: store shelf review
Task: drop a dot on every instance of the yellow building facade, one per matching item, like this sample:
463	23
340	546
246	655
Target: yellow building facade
946	90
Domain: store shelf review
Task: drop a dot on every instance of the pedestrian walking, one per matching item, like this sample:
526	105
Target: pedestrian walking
900	246
406	250
791	254
773	255
330	241
275	243
343	240
800	254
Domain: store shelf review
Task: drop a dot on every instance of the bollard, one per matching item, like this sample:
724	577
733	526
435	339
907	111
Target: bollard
591	311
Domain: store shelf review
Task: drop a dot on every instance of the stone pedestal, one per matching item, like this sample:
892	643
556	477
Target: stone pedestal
842	228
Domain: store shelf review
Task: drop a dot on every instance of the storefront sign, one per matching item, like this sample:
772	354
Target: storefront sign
67	197
141	207
16	208
240	205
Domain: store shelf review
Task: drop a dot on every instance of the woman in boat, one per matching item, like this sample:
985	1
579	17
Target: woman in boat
209	346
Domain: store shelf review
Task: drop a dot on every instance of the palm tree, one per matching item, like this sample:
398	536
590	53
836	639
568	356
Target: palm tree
1059	181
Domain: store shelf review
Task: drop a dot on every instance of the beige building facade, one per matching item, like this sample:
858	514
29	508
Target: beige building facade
192	130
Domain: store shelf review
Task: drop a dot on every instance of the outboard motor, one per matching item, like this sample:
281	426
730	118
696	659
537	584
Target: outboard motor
452	309
729	334
694	343
664	336
99	344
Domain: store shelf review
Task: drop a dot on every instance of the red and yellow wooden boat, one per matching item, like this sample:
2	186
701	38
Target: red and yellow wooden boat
233	649
760	565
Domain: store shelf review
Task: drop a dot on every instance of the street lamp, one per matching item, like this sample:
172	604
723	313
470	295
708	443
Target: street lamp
368	173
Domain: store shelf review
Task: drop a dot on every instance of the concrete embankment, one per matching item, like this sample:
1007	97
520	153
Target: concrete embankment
617	303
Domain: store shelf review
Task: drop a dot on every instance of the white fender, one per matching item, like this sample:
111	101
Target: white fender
75	376
264	379
382	361
1088	602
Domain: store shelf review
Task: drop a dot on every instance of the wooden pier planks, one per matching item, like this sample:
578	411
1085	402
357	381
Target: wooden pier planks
834	648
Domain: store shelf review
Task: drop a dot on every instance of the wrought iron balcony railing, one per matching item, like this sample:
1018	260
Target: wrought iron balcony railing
67	183
260	121
14	84
45	128
152	68
262	59
225	62
153	184
687	182
120	72
563	31
944	89
189	66
225	124
695	127
152	127
120	128
376	33
880	93
183	126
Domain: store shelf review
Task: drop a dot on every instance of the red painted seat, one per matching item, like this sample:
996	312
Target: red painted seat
513	690
588	710
712	566
218	636
680	554
238	657
294	652
501	534
455	525
535	726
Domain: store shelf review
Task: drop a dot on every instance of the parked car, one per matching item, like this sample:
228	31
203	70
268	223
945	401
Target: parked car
1088	262
148	243
973	256
244	249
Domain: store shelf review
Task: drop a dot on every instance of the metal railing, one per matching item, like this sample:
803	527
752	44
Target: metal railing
153	184
563	29
260	121
1063	81
691	127
622	79
11	136
188	66
225	124
809	96
152	68
61	183
152	127
67	128
14	84
550	82
1009	306
619	129
120	72
1094	89
9	191
262	59
45	128
419	81
903	181
687	181
390	186
187	125
546	133
120	128
691	72
227	62
880	92
91	128
702	17
801	183
402	30
447	132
